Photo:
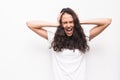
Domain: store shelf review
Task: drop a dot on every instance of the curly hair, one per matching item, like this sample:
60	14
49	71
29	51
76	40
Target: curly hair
76	41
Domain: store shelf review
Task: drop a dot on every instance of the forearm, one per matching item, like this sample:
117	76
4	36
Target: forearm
40	24
97	21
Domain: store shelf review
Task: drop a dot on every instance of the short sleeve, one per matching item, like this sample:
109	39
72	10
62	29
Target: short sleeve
87	34
50	37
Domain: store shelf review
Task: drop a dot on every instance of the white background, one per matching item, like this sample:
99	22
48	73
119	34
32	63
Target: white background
24	55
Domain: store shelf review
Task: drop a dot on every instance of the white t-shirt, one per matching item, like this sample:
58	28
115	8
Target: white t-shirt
68	64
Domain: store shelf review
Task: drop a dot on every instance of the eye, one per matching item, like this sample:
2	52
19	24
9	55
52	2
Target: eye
71	22
64	22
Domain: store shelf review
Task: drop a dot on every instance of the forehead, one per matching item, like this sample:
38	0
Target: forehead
67	17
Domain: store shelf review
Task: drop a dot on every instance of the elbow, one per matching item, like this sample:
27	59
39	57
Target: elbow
28	24
32	24
108	21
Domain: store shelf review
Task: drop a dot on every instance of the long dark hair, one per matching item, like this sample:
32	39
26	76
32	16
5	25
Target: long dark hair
76	41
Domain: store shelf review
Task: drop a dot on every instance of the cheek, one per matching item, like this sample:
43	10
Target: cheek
72	24
64	26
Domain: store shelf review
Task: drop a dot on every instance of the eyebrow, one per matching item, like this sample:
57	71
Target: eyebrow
67	21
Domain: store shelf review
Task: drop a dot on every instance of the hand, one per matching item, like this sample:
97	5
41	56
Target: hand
58	18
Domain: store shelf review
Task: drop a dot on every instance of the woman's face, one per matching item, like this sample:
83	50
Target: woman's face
68	24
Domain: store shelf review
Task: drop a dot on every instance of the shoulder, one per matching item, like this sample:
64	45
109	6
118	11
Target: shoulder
50	35
87	34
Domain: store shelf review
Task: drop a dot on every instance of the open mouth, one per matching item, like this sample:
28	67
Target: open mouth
69	31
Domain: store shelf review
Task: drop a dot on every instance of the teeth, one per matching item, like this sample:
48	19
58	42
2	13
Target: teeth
69	29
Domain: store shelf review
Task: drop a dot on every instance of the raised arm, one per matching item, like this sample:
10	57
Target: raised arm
37	27
101	24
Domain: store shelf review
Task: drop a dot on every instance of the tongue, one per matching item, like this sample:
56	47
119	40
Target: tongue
69	31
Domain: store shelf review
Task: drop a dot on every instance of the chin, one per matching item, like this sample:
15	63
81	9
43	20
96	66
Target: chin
69	35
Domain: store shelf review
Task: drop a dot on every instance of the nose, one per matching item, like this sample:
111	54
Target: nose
68	25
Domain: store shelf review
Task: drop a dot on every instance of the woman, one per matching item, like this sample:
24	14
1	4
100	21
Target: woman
69	44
